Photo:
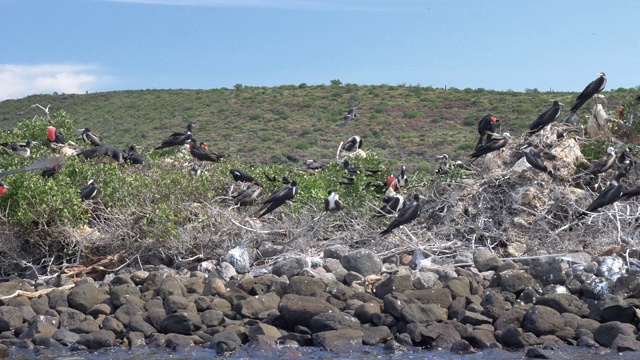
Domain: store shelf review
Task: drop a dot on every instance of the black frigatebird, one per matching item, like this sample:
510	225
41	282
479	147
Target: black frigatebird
50	171
89	191
354	143
132	156
392	202
488	125
203	154
608	196
353	171
403	180
279	197
406	215
54	136
3	188
332	203
248	196
630	193
41	164
105	150
534	158
445	164
593	88
178	139
241	176
547	117
90	137
603	164
494	145
351	113
18	148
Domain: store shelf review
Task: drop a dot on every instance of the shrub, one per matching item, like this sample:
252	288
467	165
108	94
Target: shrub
411	114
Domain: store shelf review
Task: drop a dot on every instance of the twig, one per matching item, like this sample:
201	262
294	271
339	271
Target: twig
35	294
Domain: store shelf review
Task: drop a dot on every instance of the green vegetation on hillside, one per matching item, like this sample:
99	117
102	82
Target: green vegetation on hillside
399	123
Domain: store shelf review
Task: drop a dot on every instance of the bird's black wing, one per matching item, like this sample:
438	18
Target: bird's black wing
405	216
41	164
629	193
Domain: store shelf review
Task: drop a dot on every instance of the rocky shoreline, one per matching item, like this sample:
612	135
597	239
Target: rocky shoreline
346	299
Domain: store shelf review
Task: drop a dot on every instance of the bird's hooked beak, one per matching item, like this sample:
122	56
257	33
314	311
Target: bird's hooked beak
80	130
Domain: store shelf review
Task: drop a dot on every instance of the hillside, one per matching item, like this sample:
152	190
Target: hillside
399	123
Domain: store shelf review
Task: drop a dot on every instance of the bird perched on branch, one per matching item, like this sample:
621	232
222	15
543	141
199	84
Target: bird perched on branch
241	176
50	171
351	114
54	136
87	192
608	196
105	150
593	88
178	139
392	202
406	215
18	148
603	164
132	156
547	117
41	164
247	196
278	198
534	158
494	145
403	180
332	203
487	126
90	137
202	153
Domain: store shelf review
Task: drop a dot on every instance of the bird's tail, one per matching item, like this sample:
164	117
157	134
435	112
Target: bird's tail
385	232
571	118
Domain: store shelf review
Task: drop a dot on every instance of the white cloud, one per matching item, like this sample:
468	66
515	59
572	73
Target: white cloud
21	80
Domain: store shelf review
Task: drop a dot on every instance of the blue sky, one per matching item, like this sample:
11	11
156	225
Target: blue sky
73	46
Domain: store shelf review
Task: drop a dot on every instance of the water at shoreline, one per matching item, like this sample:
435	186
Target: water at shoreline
363	352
